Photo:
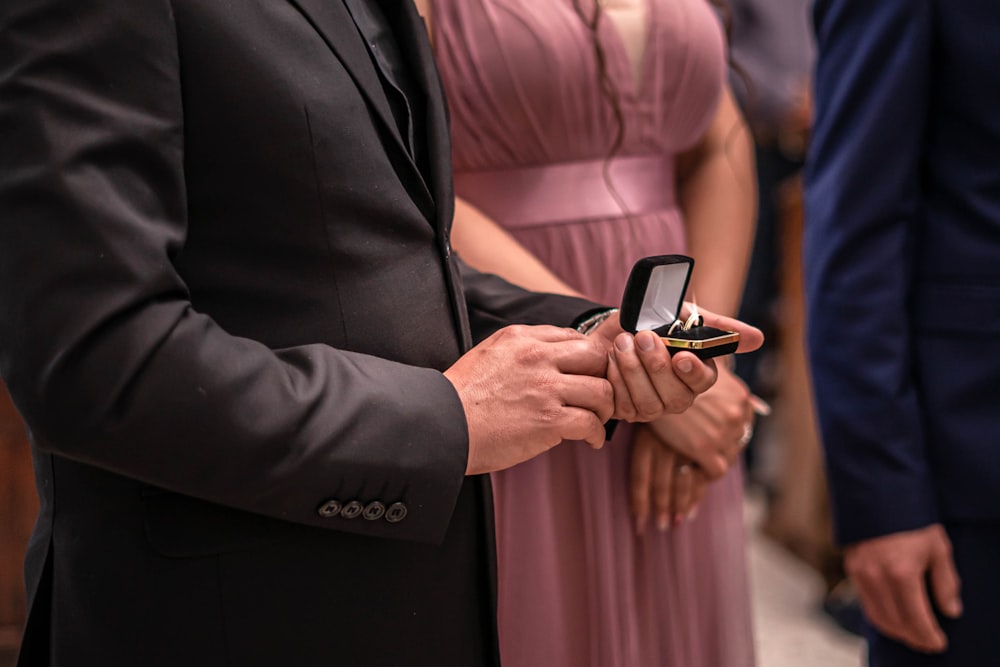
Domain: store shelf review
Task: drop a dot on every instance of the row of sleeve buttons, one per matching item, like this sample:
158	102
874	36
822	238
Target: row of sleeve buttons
373	511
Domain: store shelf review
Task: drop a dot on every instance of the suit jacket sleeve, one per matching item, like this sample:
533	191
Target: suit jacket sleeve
109	363
494	303
863	201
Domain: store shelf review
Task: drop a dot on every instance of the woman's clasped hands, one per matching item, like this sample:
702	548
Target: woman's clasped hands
675	457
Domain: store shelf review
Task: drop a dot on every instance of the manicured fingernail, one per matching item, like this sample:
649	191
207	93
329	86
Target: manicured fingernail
954	608
693	514
624	343
645	342
685	365
760	406
663	523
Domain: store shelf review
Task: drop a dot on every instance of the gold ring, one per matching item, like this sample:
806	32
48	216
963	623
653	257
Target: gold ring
694	320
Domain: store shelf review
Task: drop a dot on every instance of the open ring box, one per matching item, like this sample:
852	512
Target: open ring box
653	299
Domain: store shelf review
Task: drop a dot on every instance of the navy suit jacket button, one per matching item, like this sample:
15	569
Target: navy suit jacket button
396	513
329	509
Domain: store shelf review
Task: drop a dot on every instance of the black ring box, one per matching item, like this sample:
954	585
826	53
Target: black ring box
653	299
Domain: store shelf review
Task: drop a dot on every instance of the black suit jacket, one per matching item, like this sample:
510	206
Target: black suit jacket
227	295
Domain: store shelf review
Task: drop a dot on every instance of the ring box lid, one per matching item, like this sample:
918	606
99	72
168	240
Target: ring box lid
655	291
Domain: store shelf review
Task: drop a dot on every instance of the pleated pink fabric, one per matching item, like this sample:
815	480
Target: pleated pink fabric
530	132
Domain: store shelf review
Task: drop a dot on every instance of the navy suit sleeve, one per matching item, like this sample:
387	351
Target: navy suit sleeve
863	199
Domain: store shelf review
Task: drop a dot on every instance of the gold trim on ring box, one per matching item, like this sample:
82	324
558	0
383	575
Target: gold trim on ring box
730	337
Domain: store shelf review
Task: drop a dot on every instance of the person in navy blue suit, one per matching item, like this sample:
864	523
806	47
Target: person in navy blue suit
902	256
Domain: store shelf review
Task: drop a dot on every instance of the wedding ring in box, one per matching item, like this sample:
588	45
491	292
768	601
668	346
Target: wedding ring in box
653	299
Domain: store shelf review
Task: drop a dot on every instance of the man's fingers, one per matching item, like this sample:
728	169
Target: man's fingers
698	375
589	393
582	424
673	393
919	628
895	574
645	397
579	356
945	583
878	602
624	407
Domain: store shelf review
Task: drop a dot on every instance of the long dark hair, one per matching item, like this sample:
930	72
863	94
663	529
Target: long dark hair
605	83
607	87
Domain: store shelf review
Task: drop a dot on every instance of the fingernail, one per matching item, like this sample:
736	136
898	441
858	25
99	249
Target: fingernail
954	609
760	406
624	343
685	365
678	519
663	523
693	514
645	342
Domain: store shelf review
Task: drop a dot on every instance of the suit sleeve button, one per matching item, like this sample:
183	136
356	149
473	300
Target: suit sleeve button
329	509
352	510
373	511
396	513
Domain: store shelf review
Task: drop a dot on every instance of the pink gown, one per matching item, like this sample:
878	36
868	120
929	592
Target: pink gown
577	588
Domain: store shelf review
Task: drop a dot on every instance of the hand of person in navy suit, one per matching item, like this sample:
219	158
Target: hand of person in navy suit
892	574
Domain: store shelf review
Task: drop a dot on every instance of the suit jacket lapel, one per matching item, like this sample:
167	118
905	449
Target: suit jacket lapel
416	47
334	23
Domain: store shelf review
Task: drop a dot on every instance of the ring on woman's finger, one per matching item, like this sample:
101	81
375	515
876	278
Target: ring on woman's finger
747	435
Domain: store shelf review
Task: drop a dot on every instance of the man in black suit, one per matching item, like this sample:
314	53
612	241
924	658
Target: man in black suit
234	325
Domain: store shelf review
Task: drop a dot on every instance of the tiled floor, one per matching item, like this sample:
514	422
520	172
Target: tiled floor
790	629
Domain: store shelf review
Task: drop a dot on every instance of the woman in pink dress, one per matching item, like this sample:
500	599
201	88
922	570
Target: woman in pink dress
597	135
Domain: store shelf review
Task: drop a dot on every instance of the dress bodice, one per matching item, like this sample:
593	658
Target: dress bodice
522	80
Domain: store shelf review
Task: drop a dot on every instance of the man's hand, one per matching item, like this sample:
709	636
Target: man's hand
648	381
891	574
525	389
